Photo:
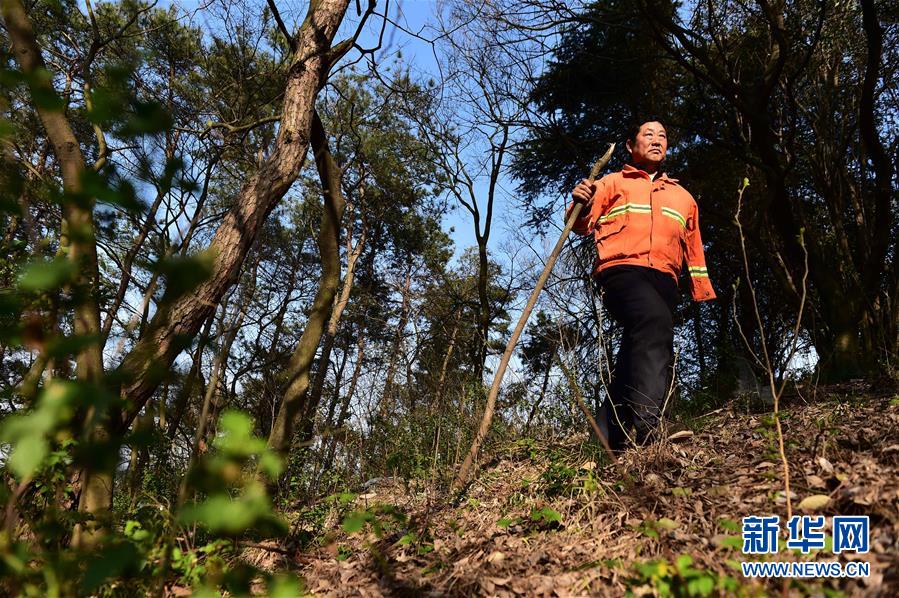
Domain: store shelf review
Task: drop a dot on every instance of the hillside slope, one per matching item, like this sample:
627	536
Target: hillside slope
546	520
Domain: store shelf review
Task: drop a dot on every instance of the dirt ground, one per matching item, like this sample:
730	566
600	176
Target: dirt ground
547	520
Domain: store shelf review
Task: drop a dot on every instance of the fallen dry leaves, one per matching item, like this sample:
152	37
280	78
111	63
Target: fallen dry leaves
683	498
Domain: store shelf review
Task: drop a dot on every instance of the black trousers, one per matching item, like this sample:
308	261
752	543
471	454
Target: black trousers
642	301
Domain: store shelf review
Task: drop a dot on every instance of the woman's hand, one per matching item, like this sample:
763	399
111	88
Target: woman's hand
583	193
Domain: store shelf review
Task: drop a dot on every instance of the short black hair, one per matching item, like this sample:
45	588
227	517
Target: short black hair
633	128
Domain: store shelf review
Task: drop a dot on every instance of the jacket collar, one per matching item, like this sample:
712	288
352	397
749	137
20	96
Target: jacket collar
630	170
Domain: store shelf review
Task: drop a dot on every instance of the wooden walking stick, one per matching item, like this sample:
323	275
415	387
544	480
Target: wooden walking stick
465	471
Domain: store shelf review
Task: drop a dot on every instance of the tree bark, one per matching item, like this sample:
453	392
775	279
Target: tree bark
294	401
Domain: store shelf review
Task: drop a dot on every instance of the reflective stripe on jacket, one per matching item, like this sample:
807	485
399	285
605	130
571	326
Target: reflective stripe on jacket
641	222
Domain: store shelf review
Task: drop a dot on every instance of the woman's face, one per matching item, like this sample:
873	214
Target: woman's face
650	145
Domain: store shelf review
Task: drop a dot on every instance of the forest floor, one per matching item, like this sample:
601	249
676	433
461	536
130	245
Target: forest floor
545	520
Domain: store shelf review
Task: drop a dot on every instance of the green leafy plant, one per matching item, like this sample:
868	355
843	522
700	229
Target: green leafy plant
538	519
558	478
546	517
236	500
379	518
680	579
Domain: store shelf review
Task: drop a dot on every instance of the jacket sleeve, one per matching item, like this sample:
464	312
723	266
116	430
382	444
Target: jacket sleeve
590	213
700	285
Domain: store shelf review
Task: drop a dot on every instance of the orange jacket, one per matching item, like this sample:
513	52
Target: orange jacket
638	221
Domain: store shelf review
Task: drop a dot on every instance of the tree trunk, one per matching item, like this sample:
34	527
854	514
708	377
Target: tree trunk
845	323
140	455
841	357
178	321
294	401
215	374
183	317
351	391
136	245
326	428
266	407
444	367
436	406
212	399
880	325
282	309
387	396
483	308
465	470
345	405
353	253
190	382
543	386
78	242
77	239
328	420
700	342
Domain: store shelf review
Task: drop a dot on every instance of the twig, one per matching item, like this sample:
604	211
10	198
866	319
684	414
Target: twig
775	391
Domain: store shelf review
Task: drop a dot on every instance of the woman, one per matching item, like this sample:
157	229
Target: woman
645	226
